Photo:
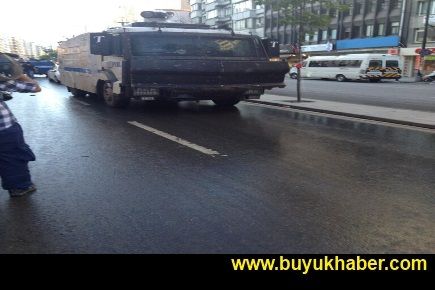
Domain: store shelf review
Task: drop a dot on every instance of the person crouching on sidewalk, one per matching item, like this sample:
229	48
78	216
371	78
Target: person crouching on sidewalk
15	154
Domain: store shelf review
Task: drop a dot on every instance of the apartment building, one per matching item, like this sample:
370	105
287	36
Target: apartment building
21	47
368	26
415	31
241	15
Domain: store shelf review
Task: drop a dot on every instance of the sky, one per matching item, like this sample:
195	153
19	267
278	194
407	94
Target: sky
46	22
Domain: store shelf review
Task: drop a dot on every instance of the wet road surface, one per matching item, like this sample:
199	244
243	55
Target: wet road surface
282	181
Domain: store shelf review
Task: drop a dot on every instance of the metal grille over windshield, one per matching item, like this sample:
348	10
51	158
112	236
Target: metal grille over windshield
195	46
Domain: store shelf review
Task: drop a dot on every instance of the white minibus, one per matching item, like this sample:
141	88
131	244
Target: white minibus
372	67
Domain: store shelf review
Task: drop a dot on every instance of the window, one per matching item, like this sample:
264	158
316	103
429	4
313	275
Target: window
356	31
194	45
336	63
333	13
381	29
395	26
240	24
422	7
392	63
420	33
370	30
382	4
307	37
243	6
371	5
212	14
358	8
396	4
315	36
196	7
334	34
375	63
324	35
346	34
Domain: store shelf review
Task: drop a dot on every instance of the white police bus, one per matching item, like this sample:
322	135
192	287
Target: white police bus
372	67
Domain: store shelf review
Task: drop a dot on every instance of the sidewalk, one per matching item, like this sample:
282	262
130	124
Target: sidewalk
398	116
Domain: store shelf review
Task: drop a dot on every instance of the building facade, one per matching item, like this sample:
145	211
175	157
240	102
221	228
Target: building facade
21	47
241	15
415	32
368	26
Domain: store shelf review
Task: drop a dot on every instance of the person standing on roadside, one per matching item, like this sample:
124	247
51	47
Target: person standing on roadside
15	154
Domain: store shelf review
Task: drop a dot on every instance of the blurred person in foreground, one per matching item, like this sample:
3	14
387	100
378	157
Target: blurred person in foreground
15	154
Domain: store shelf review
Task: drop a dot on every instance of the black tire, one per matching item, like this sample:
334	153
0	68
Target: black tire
227	102
111	99
77	93
375	80
340	78
294	76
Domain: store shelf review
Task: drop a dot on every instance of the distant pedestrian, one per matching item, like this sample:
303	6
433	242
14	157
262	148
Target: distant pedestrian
15	154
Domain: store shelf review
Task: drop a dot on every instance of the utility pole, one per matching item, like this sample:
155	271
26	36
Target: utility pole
423	44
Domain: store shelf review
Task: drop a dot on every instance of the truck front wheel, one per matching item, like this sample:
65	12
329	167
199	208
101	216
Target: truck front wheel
227	102
112	99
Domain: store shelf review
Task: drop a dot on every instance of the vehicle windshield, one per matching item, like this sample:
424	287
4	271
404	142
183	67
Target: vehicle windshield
195	45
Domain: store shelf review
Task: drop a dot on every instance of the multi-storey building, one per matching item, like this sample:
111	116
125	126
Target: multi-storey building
368	26
415	32
241	15
21	47
4	44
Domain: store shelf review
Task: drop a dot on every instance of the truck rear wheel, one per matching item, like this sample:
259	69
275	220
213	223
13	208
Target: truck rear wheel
227	102
112	99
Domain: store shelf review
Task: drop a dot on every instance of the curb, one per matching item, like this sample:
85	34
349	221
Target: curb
364	117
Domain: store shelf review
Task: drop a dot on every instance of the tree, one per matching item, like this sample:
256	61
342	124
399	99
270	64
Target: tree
50	54
304	15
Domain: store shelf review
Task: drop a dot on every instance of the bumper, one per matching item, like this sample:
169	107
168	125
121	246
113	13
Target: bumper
199	92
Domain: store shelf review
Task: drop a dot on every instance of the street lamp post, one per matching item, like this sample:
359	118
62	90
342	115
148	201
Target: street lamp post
423	44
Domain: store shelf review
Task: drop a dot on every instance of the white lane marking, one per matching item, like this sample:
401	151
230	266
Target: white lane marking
175	139
354	119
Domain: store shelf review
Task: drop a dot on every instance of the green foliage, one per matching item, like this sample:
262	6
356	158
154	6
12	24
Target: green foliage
298	13
50	55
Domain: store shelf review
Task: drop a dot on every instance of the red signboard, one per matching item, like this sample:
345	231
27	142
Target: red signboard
418	50
393	51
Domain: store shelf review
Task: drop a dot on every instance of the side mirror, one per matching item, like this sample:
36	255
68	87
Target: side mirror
105	44
272	48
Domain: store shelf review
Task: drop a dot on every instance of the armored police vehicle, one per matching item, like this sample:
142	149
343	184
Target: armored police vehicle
159	60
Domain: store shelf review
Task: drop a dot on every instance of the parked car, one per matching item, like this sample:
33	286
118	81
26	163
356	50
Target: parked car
54	74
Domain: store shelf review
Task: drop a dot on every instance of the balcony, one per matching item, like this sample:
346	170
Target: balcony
223	2
223	19
196	14
245	15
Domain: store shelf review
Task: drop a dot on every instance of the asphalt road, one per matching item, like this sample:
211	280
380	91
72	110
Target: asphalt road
391	94
273	181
